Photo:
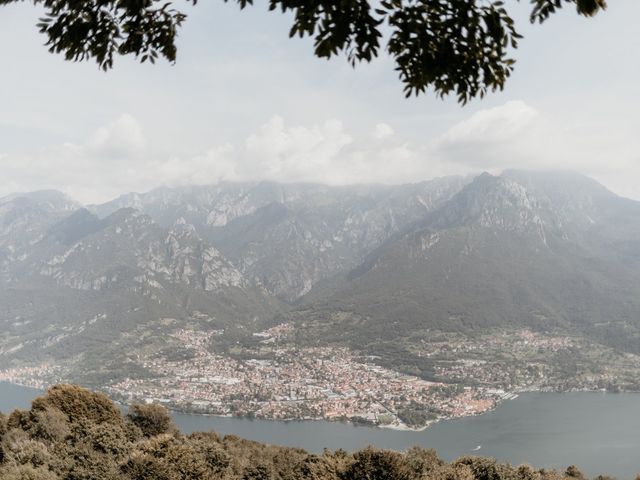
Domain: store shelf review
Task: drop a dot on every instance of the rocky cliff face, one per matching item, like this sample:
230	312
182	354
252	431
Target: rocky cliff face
288	238
85	286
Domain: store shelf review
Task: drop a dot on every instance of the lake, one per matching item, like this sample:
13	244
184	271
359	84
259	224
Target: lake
598	432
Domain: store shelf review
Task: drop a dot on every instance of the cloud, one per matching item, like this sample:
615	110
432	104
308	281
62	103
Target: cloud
108	163
497	124
118	158
278	152
215	165
383	130
122	138
330	154
517	135
489	138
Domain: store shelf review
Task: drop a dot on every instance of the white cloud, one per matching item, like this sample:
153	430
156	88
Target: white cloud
578	113
492	125
278	152
215	165
109	162
486	139
383	130
517	135
117	158
329	154
122	138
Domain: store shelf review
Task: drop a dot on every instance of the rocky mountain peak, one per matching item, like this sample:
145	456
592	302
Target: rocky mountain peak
49	200
491	202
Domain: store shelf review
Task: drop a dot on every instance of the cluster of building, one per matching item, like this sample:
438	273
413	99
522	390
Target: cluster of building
523	360
36	376
273	378
292	383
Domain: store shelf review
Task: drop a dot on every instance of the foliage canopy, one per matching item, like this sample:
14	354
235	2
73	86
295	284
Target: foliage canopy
459	47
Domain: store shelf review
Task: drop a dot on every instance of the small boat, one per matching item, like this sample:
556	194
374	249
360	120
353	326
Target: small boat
477	448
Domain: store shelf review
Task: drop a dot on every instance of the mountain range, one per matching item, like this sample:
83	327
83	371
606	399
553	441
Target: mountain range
373	266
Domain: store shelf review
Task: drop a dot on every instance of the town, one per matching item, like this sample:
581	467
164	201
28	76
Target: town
329	383
273	378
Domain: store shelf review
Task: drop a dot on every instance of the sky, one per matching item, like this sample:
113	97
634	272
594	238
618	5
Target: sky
245	102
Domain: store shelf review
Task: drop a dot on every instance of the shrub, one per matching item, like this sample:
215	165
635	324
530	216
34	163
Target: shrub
85	463
486	468
373	464
143	466
573	472
49	425
261	471
419	462
175	459
80	405
3	424
108	439
453	472
208	446
152	420
21	449
20	419
323	467
26	472
526	472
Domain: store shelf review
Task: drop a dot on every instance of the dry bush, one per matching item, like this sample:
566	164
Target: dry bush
259	471
420	462
208	446
173	456
151	419
20	419
526	472
20	449
80	405
550	474
3	424
143	466
85	463
26	472
49	425
574	472
374	464
108	439
320	467
452	471
486	468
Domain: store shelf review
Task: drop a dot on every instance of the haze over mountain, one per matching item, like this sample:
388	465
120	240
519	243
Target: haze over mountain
550	251
545	251
288	237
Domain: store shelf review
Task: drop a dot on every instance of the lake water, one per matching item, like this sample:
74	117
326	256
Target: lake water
598	432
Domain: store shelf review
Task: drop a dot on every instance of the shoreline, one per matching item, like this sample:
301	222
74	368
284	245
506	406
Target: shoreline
461	435
400	427
512	395
405	428
173	409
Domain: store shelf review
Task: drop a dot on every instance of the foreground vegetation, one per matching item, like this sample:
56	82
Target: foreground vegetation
74	434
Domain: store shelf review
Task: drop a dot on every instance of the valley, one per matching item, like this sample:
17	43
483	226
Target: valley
395	306
271	377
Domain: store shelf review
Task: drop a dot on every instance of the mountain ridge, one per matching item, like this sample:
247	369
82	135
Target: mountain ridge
361	266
